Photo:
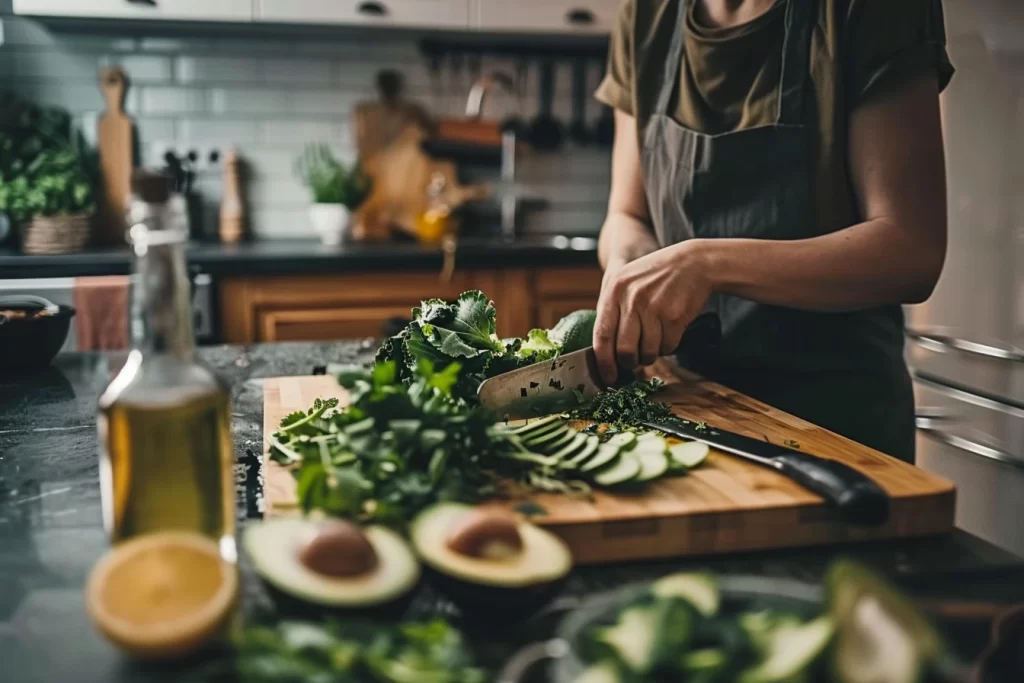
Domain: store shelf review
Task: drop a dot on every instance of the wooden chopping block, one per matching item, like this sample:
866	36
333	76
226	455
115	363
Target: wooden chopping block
116	152
380	122
401	174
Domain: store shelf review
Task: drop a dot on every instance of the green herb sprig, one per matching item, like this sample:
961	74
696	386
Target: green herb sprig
625	408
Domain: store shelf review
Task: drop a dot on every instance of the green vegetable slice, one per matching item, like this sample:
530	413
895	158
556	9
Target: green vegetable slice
577	442
606	453
533	425
623	441
544	440
633	638
708	660
688	454
622	471
700	590
791	651
589	449
653	464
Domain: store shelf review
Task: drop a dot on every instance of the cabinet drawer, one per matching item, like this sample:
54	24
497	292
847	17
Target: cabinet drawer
181	10
452	14
557	16
319	324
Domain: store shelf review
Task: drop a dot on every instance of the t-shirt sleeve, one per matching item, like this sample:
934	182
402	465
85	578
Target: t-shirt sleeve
616	89
892	41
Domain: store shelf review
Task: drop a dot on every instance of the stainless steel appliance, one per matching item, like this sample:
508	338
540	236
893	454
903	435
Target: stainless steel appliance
965	342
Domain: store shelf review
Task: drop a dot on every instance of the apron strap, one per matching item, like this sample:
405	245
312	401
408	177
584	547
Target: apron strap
796	59
673	61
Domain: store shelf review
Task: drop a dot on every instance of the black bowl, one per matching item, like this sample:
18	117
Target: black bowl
29	344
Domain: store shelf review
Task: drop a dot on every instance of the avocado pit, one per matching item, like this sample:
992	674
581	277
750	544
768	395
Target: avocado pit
338	549
486	536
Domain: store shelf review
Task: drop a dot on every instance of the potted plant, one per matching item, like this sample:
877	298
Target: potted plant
46	185
337	191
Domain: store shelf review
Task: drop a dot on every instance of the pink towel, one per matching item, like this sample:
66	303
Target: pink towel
101	320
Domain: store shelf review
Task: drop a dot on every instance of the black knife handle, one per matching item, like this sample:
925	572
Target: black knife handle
859	499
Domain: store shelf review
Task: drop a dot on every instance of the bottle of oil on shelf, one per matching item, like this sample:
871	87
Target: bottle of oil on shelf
166	456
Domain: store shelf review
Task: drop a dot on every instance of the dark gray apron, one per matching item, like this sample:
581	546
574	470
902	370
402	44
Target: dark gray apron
844	371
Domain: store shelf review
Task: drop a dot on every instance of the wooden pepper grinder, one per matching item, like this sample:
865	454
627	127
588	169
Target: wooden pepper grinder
116	157
232	212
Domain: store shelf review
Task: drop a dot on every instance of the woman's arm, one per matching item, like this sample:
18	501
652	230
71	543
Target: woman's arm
625	235
895	256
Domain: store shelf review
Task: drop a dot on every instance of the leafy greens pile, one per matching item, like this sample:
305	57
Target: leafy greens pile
465	332
351	652
627	407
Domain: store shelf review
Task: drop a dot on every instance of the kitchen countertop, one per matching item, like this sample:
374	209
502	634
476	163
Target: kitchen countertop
286	257
51	532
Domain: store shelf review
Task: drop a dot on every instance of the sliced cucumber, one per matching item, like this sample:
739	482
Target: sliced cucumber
535	425
558	444
623	440
573	446
622	471
605	672
700	590
606	453
688	454
585	453
536	442
649	436
653	464
792	649
656	444
633	638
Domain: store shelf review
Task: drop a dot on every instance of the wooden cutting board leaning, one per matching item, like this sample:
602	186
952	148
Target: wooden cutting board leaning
724	506
116	152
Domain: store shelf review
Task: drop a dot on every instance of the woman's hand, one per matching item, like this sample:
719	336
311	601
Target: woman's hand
646	304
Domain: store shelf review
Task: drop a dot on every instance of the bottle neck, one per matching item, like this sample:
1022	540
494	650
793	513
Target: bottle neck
161	320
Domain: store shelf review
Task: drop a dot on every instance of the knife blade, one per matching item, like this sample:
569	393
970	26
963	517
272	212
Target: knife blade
860	499
570	379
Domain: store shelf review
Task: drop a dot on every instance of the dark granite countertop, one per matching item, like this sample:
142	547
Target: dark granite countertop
310	257
51	532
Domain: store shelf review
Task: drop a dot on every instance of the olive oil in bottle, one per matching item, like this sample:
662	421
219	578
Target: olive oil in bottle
166	455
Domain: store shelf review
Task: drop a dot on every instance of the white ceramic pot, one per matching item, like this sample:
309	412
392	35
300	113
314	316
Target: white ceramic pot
331	222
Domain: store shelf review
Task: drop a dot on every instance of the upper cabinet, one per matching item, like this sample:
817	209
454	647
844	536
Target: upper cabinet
547	16
175	10
438	14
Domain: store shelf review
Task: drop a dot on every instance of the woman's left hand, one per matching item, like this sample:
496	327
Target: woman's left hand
646	305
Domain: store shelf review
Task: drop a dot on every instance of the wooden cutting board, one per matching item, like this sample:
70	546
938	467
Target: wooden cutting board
116	152
727	505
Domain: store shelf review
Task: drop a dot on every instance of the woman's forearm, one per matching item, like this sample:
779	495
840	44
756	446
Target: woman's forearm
871	264
624	238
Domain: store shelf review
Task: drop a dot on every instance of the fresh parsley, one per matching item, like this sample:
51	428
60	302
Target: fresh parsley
625	408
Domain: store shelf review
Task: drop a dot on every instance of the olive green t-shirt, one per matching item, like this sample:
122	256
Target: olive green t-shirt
859	49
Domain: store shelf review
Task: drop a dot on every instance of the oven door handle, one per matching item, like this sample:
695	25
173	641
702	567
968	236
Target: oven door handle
928	426
936	341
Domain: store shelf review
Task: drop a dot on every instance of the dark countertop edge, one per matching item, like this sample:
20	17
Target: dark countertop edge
307	258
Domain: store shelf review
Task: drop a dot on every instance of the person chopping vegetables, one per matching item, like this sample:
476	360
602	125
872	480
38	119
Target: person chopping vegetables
779	162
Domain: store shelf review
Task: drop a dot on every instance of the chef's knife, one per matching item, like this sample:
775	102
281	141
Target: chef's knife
568	380
860	500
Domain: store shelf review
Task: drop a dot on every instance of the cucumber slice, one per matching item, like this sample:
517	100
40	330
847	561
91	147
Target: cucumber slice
633	638
571	447
605	672
588	450
881	637
606	453
688	454
648	436
791	650
535	425
653	464
655	444
700	590
561	442
623	440
546	438
622	471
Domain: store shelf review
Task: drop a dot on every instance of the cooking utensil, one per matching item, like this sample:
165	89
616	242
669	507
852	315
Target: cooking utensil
859	499
560	384
116	152
578	130
546	132
29	343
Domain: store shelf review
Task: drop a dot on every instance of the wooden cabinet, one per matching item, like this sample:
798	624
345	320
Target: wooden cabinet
326	307
177	10
450	14
547	16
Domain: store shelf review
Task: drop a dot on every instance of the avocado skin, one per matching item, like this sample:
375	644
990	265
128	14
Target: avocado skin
494	602
288	605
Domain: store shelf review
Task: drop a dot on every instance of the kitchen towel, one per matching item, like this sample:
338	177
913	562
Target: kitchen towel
101	323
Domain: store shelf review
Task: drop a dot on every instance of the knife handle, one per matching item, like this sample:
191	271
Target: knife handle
859	499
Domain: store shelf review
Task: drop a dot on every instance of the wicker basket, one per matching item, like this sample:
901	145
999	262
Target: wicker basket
64	234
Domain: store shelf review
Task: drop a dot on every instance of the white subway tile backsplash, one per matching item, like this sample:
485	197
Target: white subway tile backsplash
175	44
338	103
170	100
142	68
152	131
188	69
54	65
281	224
223	132
76	99
297	133
251	101
299	71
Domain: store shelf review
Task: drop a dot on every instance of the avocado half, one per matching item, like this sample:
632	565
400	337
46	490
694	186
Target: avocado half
512	585
276	550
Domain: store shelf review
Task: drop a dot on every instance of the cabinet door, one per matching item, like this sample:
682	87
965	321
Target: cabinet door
556	16
452	14
182	10
560	291
316	324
